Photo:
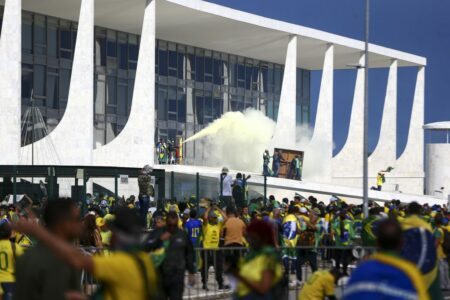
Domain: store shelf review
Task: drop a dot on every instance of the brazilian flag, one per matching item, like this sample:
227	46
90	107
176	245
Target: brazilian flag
419	248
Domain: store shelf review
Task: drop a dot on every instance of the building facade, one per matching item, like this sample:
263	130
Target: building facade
211	83
111	78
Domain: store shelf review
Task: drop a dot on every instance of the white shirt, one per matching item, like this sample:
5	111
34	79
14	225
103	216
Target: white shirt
226	185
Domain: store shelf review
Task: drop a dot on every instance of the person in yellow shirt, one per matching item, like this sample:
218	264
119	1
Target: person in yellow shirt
8	253
212	231
260	274
105	233
320	285
439	235
126	273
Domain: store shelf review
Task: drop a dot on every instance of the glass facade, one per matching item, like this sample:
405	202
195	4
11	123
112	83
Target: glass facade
194	86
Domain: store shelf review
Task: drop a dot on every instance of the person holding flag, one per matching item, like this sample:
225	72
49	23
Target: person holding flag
419	247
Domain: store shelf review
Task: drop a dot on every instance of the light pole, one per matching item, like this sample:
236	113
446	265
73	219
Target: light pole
366	116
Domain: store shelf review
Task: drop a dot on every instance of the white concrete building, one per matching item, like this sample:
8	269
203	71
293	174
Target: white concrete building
111	77
438	160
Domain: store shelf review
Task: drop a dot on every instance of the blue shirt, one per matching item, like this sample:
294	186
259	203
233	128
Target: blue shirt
194	230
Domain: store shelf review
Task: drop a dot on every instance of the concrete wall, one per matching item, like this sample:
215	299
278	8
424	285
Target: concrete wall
10	82
319	153
348	163
409	168
134	146
284	135
71	142
385	153
438	170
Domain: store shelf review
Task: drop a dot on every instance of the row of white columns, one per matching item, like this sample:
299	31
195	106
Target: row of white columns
346	167
73	137
72	141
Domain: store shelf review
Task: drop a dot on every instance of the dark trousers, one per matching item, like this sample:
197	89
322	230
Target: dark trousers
212	258
275	169
8	290
144	205
303	256
266	170
343	256
226	201
173	286
377	188
232	256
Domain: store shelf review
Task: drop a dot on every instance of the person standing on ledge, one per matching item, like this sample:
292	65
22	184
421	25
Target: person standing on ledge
276	163
146	191
266	161
226	180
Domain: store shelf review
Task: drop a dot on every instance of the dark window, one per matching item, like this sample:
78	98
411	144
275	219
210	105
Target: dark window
111	44
111	96
181	106
39	33
27	34
52	37
27	80
64	83
52	88
123	53
122	96
162	103
39	81
162	62
199	68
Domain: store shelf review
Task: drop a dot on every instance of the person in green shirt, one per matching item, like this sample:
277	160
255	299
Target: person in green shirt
369	224
344	234
298	168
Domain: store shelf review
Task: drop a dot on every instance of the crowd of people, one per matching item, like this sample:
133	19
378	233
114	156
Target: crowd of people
167	152
135	249
294	166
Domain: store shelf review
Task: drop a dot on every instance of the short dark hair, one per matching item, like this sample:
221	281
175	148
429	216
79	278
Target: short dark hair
389	235
56	211
231	210
193	214
414	208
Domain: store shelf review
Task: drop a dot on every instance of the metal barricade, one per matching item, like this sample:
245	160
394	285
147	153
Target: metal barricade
212	265
212	281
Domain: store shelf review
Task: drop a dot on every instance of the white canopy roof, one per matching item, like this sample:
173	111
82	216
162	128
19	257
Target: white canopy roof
445	125
211	26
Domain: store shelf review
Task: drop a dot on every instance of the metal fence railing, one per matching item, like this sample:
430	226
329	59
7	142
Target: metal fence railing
212	269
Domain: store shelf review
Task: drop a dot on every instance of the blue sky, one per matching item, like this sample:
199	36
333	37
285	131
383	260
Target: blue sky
415	26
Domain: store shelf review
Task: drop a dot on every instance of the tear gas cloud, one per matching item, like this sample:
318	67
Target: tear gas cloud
236	140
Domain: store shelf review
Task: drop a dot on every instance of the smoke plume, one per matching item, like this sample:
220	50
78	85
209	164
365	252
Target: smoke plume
237	140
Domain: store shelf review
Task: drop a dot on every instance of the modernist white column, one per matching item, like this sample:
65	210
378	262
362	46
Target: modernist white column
347	164
385	153
410	165
284	135
134	146
319	153
10	82
72	139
